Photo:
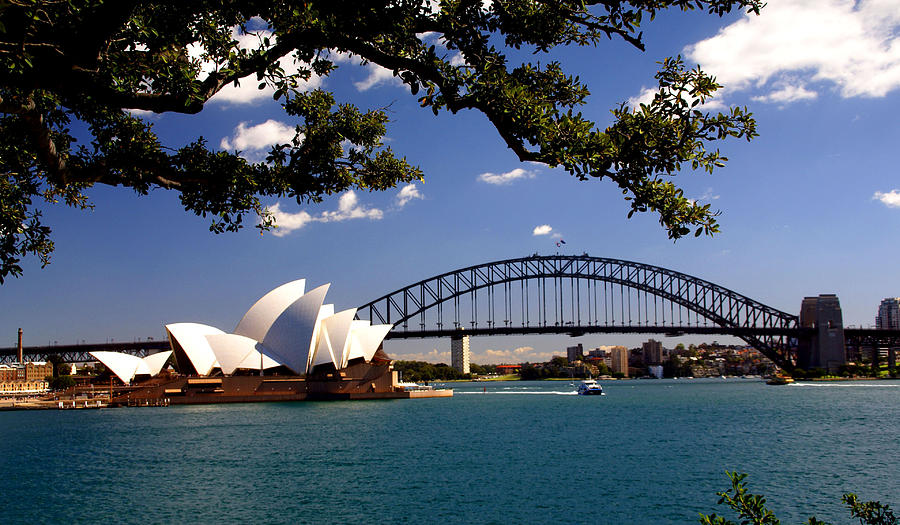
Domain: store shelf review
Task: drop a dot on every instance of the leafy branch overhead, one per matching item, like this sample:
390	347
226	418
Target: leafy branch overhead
85	63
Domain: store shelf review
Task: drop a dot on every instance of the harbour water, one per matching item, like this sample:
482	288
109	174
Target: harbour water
497	452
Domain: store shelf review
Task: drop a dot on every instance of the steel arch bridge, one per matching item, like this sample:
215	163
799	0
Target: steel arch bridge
580	294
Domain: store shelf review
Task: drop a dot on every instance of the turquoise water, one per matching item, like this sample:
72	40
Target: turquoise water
524	452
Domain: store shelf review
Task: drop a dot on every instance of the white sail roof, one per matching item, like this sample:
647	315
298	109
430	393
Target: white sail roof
126	366
338	328
236	351
155	362
253	359
192	339
365	339
323	352
231	349
354	347
286	327
260	317
292	337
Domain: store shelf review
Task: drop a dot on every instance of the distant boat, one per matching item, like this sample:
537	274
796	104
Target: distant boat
780	380
590	387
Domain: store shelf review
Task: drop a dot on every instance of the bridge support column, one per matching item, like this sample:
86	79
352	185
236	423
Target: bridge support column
825	348
876	355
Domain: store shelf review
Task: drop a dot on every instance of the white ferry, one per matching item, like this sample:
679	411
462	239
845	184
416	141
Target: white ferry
590	387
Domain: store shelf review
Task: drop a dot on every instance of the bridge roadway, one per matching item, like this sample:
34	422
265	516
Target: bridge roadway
577	331
855	337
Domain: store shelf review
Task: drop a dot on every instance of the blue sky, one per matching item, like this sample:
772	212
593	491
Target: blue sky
811	206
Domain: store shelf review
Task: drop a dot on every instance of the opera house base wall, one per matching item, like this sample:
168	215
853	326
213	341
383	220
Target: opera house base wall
358	381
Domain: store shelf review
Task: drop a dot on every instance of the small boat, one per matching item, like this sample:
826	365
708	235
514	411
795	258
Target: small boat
780	380
590	387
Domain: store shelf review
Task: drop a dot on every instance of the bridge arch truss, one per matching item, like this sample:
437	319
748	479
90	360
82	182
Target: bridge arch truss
577	295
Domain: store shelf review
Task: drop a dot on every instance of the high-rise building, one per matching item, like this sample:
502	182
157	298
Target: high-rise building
619	359
653	352
825	347
888	314
459	353
598	352
575	353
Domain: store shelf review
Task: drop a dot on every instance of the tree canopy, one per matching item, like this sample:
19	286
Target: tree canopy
88	64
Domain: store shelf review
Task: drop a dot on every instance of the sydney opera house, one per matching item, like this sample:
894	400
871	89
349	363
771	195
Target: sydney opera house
290	345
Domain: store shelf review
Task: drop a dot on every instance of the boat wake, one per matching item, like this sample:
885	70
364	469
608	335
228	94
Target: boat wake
848	384
521	392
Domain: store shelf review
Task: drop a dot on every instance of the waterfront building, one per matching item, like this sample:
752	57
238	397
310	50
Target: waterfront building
888	316
288	328
38	370
11	373
27	378
575	353
508	369
23	387
460	353
653	352
598	352
825	348
30	371
619	359
289	346
603	355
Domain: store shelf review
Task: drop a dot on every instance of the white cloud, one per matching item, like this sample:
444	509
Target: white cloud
506	178
852	45
708	195
434	356
406	194
348	208
890	199
288	222
518	355
787	94
253	140
247	91
543	229
458	60
141	113
377	75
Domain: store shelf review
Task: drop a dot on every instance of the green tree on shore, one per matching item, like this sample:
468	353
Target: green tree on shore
90	64
752	510
416	371
62	382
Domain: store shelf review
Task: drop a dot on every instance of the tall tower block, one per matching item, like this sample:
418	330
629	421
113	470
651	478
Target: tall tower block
825	347
459	353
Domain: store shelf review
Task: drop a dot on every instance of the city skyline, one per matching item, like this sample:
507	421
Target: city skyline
808	206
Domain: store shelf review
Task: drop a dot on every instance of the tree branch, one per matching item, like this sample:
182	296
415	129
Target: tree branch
46	148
